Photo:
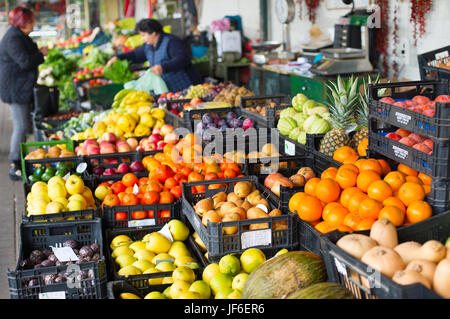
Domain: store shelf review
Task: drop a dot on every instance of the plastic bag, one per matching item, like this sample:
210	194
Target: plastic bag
148	82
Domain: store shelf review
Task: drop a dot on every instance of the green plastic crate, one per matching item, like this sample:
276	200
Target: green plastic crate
103	95
27	147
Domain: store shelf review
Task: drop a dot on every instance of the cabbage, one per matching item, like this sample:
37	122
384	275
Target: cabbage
286	125
326	116
302	138
298	100
319	126
288	112
309	121
310	104
294	134
300	119
318	110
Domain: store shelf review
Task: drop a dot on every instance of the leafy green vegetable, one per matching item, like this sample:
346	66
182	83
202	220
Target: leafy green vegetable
95	58
119	72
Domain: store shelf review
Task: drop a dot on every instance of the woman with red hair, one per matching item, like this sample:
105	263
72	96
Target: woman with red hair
19	61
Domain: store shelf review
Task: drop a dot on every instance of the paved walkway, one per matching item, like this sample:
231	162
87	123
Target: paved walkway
12	205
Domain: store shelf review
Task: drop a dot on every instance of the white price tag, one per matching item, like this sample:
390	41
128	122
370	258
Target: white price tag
66	177
141	222
289	148
263	207
81	168
402	118
340	267
399	152
165	231
135	189
53	295
261	237
64	254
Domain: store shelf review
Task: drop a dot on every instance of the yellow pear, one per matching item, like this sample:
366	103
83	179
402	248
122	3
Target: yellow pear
144	254
122	250
125	260
120	240
137	245
158	243
178	249
143	264
129	271
165	266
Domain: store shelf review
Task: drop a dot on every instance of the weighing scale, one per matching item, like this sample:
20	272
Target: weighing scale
285	11
264	52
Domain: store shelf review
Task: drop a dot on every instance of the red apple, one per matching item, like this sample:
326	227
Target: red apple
394	136
195	101
155	138
387	100
106	148
123	168
133	142
166	129
171	138
109	137
160	145
109	171
110	161
123	147
98	170
93	150
156	130
136	166
400	104
407	141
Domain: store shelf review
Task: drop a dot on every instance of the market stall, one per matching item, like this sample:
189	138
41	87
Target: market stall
298	185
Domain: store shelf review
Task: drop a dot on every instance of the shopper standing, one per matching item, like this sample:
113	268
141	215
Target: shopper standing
19	61
167	55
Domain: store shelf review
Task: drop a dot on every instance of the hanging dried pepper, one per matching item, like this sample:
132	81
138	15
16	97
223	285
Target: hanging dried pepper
382	40
419	8
395	37
312	5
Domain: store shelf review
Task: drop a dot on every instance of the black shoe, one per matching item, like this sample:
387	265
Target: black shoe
15	172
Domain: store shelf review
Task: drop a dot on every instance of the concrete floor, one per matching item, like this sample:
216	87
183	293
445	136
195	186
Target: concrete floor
12	203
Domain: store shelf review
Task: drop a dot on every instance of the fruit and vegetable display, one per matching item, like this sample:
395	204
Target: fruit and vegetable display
77	124
59	195
87	74
304	117
414	140
119	72
405	263
360	192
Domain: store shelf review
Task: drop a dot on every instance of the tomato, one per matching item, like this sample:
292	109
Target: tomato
163	172
111	200
139	215
118	187
143	181
130	199
121	215
178	177
186	171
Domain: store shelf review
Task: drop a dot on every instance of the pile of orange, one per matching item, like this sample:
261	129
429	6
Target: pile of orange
353	196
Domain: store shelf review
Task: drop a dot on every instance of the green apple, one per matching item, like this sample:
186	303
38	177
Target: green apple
178	249
178	229
239	281
201	287
56	190
80	198
125	260
75	205
158	243
54	208
102	191
74	185
178	287
56	180
221	282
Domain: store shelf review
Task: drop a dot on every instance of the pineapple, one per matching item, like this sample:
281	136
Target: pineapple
343	98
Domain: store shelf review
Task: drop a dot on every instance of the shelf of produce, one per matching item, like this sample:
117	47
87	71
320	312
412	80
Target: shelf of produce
435	124
141	281
88	283
435	64
219	243
366	283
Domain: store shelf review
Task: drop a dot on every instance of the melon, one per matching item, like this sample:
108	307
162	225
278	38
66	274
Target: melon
284	274
322	290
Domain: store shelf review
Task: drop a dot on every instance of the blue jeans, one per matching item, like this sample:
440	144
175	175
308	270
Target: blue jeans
20	114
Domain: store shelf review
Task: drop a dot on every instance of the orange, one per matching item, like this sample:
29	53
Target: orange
350	166
414	179
314	223
347	194
355	201
330	172
130	199
344	153
352	220
385	166
346	177
150	197
365	224
359	162
426	180
323	227
369	208
334	214
379	190
170	183
309	209
295	200
365	178
111	200
310	186
129	179
166	198
328	190
418	211
344	229
395	201
351	159
160	157
371	164
393	213
362	147
395	179
407	170
129	190
411	192
154	185
427	189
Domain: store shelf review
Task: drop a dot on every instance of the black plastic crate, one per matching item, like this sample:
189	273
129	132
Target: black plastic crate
115	288
217	243
313	141
429	64
279	101
435	165
141	281
437	126
42	236
29	166
366	283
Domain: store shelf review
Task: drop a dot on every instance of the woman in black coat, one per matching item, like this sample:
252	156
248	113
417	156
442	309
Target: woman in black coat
19	61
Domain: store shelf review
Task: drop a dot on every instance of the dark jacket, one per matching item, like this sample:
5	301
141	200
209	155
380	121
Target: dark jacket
171	53
19	61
